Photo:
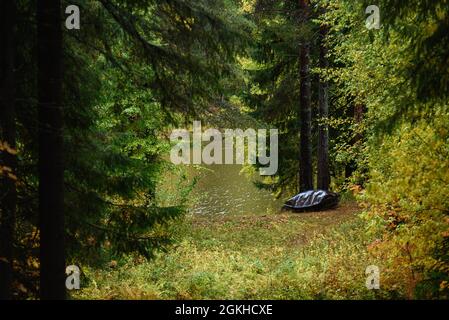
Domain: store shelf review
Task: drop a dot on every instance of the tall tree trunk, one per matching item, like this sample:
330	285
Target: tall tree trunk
323	175
305	158
8	197
51	214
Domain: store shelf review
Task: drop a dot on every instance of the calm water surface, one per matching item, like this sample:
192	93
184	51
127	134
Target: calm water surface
222	189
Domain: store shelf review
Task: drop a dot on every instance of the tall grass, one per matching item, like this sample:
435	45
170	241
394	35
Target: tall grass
279	256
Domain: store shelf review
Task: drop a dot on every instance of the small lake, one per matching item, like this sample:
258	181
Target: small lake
223	189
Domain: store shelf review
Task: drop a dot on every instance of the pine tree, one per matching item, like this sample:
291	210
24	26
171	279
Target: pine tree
133	71
323	174
282	91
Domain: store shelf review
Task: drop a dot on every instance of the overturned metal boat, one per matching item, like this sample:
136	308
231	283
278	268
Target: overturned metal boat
312	200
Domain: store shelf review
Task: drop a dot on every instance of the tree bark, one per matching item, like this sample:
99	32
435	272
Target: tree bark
305	158
51	170
8	196
323	175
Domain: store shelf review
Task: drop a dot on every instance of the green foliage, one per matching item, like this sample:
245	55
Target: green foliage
133	70
398	73
273	93
316	256
273	86
424	25
410	196
138	68
396	156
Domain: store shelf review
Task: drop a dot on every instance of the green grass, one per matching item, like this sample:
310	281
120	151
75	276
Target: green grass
278	256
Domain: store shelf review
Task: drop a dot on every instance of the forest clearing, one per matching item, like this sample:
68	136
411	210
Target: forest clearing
317	255
224	149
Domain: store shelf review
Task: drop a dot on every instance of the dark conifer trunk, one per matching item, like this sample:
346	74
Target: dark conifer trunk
8	197
323	175
305	159
52	255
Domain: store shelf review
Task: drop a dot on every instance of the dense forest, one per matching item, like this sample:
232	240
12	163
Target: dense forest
90	91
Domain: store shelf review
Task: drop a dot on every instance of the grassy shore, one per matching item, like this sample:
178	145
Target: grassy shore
320	255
